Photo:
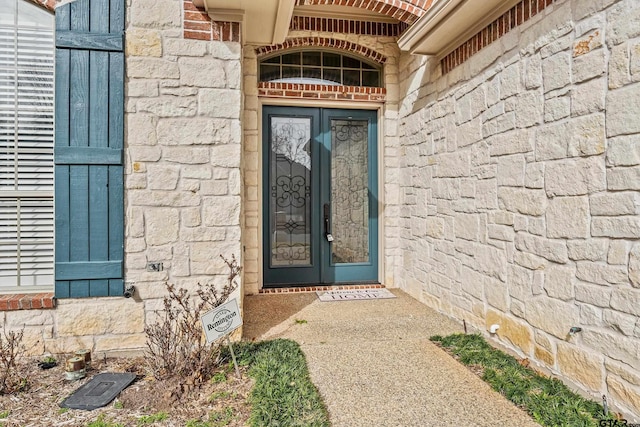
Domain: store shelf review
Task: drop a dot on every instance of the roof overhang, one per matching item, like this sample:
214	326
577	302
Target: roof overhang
448	23
335	11
263	21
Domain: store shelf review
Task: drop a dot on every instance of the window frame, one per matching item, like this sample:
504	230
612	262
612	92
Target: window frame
364	66
27	208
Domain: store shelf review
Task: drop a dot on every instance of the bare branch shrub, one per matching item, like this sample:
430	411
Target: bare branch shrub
11	349
176	345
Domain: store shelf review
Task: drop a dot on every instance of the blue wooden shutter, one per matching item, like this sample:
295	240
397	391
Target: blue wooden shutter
89	196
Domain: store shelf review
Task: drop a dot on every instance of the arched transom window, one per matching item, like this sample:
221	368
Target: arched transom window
319	67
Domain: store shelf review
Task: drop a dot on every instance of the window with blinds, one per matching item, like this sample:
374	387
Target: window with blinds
26	147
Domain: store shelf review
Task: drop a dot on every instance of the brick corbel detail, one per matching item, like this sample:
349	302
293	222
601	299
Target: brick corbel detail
517	15
407	11
347	26
323	42
324	92
198	25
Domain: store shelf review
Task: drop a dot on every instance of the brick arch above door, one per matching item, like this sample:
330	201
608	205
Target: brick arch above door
322	91
407	11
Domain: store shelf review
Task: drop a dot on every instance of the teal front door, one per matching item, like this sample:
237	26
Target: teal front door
320	196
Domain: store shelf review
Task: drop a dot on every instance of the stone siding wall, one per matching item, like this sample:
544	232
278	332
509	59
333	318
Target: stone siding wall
253	145
182	183
183	158
519	196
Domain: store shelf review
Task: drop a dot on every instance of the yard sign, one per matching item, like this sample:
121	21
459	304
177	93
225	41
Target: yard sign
221	321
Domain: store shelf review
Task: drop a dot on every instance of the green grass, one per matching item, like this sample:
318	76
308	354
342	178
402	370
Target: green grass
283	394
4	414
219	418
150	419
102	422
219	377
219	395
547	400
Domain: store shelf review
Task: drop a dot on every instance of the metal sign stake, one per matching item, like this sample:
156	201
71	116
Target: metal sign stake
233	356
221	322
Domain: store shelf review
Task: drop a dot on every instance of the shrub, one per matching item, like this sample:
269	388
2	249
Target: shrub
11	349
176	345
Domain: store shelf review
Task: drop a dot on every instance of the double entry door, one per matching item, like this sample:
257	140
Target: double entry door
320	196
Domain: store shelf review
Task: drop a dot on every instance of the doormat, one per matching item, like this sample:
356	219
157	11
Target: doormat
354	294
98	392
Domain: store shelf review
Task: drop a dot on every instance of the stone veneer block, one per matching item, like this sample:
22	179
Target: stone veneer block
624	392
623	108
568	217
98	317
616	227
623	151
152	68
626	300
142	42
551	316
558	282
575	177
580	365
160	14
222	103
518	333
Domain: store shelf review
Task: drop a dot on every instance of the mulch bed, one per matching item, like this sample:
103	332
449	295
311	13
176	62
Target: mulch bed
38	404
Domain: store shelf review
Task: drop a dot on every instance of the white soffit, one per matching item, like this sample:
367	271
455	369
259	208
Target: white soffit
448	23
263	21
341	12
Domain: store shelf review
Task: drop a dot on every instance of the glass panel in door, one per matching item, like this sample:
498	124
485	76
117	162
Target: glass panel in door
349	191
290	188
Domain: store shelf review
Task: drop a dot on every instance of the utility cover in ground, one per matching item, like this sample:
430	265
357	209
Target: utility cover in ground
99	391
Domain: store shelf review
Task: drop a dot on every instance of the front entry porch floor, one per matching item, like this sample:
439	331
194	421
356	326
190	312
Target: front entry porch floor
374	364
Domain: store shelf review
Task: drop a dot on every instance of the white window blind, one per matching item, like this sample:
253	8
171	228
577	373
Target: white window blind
26	147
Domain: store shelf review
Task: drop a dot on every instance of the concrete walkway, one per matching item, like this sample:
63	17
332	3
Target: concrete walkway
374	364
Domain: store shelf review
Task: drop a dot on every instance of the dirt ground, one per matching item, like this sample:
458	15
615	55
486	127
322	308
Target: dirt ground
145	402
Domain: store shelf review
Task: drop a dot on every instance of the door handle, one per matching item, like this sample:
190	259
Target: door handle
327	222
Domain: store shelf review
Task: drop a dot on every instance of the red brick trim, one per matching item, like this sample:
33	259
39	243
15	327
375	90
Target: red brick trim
301	289
517	15
50	5
347	26
324	92
225	31
11	302
407	11
199	26
323	42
